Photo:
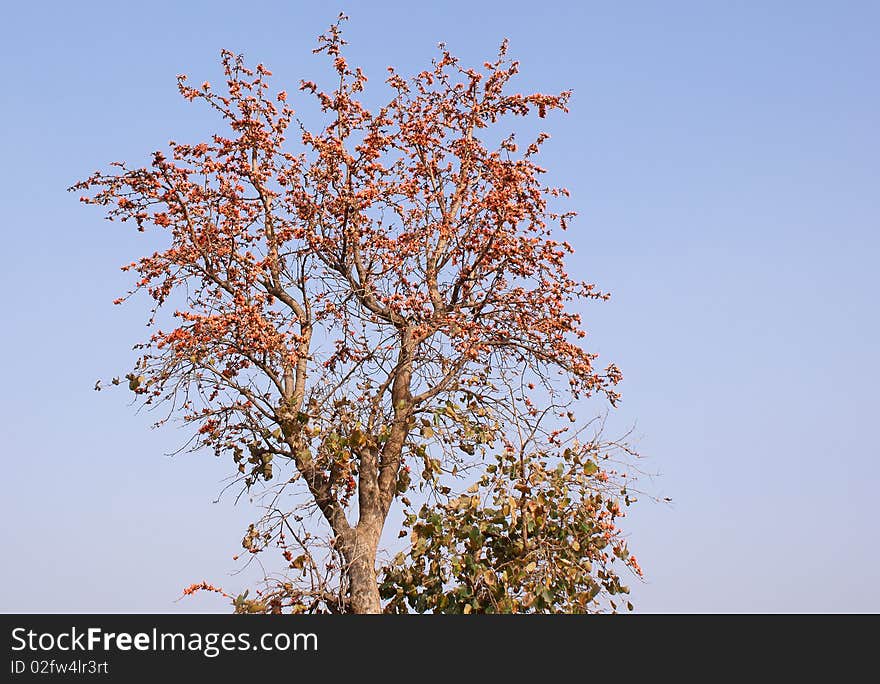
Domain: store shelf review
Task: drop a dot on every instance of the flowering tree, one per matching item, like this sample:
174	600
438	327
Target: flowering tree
377	314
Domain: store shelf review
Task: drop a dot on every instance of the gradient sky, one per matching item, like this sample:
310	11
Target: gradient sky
724	158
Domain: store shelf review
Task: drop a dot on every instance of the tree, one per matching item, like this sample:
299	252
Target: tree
388	298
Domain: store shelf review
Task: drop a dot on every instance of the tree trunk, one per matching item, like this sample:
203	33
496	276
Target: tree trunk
378	483
363	581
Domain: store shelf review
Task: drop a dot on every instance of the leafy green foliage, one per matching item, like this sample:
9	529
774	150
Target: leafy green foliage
535	534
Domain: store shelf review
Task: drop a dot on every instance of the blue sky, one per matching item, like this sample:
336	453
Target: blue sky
724	159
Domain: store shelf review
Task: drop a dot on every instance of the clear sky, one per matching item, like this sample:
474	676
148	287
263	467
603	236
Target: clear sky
724	158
